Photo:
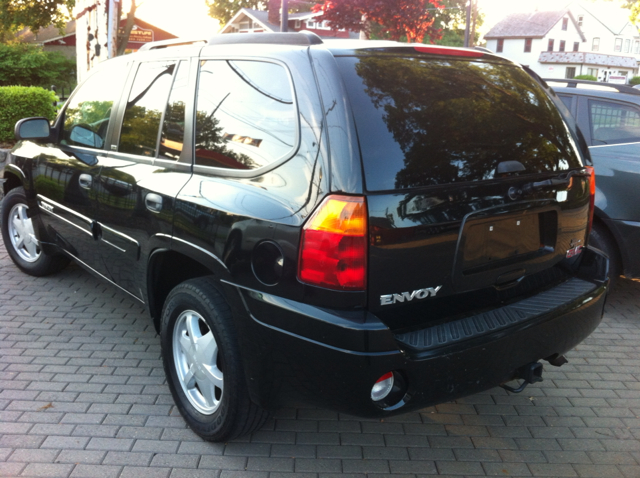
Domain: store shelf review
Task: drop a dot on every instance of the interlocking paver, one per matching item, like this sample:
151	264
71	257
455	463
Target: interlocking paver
83	394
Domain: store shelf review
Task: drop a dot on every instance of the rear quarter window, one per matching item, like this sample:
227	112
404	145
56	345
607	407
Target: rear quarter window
424	121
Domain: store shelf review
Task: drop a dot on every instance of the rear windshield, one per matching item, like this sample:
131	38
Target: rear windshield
425	122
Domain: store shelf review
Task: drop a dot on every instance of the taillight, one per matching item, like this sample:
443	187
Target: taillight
333	247
592	196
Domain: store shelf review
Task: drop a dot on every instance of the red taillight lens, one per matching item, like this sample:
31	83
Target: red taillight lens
592	196
333	248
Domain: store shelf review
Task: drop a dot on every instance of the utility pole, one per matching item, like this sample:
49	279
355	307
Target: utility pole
468	27
284	19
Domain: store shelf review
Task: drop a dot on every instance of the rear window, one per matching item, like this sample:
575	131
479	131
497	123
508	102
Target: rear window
424	122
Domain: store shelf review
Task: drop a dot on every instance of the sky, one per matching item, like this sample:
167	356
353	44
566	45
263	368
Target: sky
191	18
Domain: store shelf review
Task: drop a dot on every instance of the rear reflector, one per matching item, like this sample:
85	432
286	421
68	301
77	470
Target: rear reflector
592	196
333	247
382	387
449	51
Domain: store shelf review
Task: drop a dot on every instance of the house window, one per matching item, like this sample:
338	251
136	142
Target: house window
550	45
592	72
500	45
627	46
311	24
298	25
244	25
562	45
618	45
565	23
527	45
580	20
570	72
595	46
636	47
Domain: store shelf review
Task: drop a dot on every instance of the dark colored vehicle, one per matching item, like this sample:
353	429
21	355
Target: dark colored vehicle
609	116
369	227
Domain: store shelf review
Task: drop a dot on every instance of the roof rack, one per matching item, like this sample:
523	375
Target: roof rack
303	38
599	85
157	45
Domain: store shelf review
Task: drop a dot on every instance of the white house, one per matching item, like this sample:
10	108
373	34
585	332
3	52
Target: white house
248	20
575	40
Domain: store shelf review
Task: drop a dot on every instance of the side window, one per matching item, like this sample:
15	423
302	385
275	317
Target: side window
172	138
614	122
567	100
146	103
87	116
245	117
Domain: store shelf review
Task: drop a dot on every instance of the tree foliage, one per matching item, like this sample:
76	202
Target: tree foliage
399	19
29	65
452	19
224	10
32	14
634	6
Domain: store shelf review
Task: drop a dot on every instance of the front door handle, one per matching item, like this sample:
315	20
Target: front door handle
153	202
85	181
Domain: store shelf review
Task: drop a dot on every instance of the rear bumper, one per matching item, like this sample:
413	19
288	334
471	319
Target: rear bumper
627	234
297	352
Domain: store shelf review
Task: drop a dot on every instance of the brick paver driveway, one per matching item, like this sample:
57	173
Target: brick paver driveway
82	394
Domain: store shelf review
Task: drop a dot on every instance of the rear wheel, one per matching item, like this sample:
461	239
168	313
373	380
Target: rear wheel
20	240
602	239
203	365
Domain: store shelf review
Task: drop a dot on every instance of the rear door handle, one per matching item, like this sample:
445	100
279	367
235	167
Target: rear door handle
153	202
85	181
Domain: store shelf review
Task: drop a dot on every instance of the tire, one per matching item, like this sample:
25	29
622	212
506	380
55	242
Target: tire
202	362
20	241
602	239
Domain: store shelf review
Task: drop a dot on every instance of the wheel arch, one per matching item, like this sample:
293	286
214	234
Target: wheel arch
168	267
13	178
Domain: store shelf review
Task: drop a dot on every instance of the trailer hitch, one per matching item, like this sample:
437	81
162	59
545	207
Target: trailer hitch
530	373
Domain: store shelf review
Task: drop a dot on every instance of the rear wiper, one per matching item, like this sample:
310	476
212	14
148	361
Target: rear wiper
561	182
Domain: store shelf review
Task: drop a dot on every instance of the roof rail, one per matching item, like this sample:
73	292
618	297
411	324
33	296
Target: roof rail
582	84
157	45
304	38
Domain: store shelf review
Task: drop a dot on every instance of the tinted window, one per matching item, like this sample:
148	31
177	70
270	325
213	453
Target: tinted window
88	113
567	100
614	122
245	116
145	105
172	137
425	122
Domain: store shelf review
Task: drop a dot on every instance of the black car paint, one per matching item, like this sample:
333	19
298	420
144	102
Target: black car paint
297	340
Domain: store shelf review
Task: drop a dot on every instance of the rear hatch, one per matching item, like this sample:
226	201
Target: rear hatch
475	188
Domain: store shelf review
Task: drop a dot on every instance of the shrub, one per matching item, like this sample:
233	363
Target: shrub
635	80
29	65
586	77
17	102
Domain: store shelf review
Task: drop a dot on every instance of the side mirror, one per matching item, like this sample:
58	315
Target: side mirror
33	128
84	136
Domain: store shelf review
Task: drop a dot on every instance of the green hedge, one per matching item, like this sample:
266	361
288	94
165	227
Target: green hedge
635	80
586	77
17	102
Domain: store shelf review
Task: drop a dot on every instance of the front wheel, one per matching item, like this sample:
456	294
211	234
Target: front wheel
20	240
202	362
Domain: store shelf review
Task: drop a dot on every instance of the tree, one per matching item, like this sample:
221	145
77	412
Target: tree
123	38
410	19
634	6
33	14
224	10
452	21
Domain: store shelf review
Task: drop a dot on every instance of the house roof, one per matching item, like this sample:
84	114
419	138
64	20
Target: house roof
614	19
48	34
262	17
529	25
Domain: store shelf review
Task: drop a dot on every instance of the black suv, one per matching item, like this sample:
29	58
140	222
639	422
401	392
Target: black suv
609	116
370	227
